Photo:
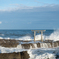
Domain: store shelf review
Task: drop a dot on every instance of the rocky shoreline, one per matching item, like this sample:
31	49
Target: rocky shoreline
26	45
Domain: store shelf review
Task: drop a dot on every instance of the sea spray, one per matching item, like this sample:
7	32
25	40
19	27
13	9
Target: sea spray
19	46
36	53
38	45
30	46
45	45
41	54
35	45
54	36
17	36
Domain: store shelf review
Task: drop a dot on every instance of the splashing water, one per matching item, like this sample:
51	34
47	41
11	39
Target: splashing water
19	46
41	54
35	45
54	36
45	45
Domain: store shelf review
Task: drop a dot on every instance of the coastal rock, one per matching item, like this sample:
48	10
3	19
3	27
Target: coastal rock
19	55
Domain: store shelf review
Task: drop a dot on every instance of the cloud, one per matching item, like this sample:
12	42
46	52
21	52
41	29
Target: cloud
0	22
14	4
15	7
36	1
39	2
49	7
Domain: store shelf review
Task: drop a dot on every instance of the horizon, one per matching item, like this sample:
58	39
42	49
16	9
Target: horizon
29	29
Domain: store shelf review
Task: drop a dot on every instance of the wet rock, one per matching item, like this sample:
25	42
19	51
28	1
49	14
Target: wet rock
26	45
19	55
8	43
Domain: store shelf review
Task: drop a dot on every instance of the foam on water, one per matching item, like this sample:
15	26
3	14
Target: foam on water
43	53
45	45
10	50
36	53
19	46
1	38
35	45
54	36
38	37
28	38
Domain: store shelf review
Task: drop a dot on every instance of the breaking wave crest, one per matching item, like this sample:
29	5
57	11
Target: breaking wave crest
54	36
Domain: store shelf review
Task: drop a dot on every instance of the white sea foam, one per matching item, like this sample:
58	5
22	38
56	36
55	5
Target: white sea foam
37	53
1	38
10	50
28	38
54	36
43	53
45	45
19	46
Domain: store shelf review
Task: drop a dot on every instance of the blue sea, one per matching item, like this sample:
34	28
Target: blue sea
21	33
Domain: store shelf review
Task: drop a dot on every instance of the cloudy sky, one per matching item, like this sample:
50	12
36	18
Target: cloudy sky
29	14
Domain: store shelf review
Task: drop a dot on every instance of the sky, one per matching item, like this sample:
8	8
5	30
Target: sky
29	14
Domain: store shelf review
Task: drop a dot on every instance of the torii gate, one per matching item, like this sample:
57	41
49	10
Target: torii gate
38	31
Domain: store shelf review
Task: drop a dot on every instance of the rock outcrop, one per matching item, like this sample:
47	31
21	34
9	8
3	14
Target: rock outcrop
19	55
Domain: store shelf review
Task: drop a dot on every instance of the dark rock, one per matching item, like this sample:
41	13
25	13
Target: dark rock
19	55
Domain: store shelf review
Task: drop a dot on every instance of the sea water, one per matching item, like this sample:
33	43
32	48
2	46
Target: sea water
35	53
29	35
22	34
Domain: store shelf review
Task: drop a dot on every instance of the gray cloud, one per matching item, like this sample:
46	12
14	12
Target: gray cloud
50	7
16	7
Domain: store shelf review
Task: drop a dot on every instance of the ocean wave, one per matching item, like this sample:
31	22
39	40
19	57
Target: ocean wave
1	34
45	53
54	36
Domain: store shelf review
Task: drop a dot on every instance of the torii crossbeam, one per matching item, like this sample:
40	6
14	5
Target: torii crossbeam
38	31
